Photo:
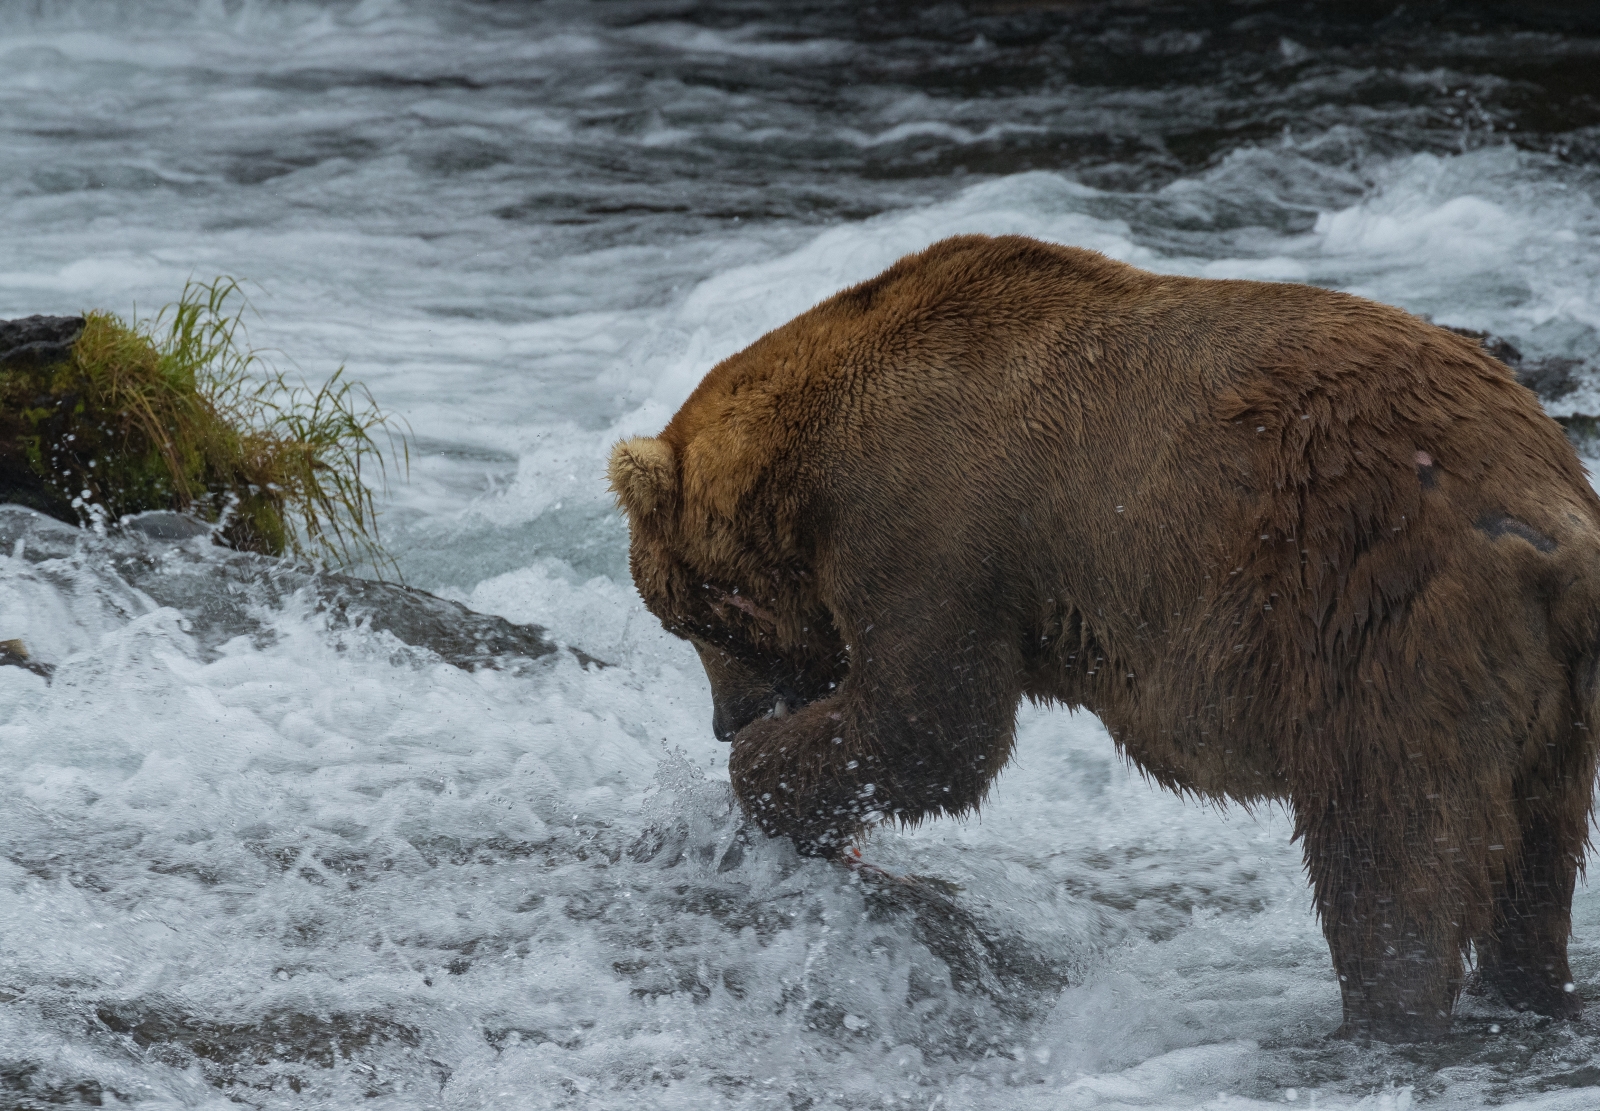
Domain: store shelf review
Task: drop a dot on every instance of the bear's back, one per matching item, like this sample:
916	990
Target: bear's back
1256	439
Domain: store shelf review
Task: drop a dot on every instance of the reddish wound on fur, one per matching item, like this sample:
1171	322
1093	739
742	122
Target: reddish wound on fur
1424	459
755	611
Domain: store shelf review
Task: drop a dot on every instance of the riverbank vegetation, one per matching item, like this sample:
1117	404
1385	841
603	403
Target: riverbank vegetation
178	412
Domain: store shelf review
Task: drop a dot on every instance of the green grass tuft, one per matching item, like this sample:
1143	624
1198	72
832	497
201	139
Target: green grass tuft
180	413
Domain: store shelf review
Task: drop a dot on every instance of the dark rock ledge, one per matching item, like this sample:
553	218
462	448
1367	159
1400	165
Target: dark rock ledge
225	594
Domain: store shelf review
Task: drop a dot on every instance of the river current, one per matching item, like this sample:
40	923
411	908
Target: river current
266	843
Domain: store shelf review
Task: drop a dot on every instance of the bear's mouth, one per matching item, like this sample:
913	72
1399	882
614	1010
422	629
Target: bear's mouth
786	700
778	705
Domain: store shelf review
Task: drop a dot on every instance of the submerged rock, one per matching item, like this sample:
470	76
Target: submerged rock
1552	377
1020	980
224	593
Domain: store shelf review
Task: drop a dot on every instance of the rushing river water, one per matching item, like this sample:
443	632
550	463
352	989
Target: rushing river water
261	847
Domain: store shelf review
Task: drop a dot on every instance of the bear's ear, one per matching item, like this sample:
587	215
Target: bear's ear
643	474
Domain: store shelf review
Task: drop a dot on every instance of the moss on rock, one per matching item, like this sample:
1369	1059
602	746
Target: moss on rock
102	417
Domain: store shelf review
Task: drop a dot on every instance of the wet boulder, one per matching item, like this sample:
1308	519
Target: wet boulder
29	347
38	342
166	559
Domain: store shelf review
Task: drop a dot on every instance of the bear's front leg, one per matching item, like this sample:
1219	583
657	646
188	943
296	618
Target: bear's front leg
915	730
1524	956
795	778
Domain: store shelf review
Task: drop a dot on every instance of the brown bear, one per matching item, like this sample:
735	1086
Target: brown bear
1286	543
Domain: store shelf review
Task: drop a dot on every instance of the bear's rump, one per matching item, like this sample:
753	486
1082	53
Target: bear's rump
1475	670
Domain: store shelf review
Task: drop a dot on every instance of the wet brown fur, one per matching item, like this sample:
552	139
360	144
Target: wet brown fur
1286	543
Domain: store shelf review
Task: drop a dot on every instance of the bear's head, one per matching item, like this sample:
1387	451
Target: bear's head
714	576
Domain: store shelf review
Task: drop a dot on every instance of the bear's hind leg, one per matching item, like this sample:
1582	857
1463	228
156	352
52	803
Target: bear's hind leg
1524	956
1398	950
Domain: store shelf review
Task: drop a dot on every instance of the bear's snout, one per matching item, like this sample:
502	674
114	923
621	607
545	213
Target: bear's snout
725	724
742	693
